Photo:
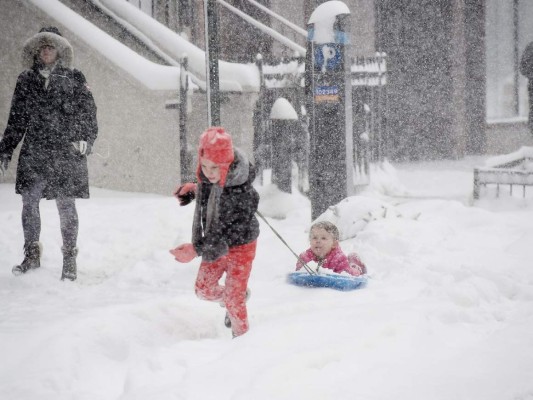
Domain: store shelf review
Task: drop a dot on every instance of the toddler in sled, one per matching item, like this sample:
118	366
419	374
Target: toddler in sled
325	250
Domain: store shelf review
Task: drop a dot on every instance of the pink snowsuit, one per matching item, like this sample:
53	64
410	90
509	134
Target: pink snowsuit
336	260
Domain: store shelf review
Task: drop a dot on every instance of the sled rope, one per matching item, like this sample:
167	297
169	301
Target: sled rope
307	267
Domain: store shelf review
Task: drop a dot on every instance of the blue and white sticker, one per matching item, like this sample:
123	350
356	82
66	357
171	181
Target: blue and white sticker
326	94
327	57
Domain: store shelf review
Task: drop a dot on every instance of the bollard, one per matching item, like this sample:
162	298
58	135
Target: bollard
285	125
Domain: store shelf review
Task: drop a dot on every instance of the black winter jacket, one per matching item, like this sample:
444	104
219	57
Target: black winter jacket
49	120
526	62
236	224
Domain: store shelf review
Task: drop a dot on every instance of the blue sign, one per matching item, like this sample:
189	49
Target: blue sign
328	57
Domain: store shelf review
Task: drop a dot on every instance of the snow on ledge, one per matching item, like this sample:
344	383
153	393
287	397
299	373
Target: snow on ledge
524	152
233	76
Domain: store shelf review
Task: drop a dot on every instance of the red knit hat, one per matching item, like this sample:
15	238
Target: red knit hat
216	146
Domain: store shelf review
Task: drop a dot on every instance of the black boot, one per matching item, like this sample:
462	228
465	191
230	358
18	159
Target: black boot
227	320
69	263
32	258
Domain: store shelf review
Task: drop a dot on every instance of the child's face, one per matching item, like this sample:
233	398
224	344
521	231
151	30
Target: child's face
210	169
322	242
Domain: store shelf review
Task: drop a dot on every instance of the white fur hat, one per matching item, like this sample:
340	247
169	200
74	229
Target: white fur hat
47	36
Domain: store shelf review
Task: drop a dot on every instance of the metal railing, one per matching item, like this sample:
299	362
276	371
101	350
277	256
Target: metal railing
285	78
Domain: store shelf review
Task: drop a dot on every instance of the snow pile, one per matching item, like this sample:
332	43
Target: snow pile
279	205
353	214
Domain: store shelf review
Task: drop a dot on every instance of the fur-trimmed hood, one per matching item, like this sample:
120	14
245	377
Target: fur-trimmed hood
33	45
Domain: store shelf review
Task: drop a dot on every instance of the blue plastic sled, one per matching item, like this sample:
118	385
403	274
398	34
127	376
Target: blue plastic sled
333	281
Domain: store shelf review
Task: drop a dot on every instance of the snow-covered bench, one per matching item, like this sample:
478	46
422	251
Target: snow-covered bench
509	169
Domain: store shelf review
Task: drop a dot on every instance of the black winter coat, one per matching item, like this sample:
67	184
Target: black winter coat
237	224
526	62
49	120
526	69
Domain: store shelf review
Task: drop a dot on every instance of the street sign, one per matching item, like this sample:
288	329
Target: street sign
328	57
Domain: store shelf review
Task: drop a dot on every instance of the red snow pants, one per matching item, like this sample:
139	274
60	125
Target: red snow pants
237	265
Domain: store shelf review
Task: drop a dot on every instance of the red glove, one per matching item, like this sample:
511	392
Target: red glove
184	253
185	193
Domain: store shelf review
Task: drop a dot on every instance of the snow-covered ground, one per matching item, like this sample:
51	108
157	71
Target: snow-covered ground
447	313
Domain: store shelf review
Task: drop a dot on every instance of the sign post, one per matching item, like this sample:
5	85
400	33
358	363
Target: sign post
211	62
329	106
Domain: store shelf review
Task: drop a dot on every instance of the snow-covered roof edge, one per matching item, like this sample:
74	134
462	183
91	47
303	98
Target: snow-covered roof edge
233	76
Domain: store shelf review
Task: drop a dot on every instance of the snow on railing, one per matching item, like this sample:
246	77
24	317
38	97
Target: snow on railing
369	71
234	77
365	71
509	169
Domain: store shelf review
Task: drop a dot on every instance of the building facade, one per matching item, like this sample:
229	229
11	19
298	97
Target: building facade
453	82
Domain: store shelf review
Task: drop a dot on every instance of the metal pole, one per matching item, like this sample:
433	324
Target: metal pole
184	154
264	28
207	63
211	55
516	38
259	134
211	61
286	22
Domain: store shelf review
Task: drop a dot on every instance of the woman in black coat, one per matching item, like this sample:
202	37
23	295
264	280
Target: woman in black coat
53	113
526	69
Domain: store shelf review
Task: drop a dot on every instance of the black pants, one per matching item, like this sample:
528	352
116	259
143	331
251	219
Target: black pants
31	216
